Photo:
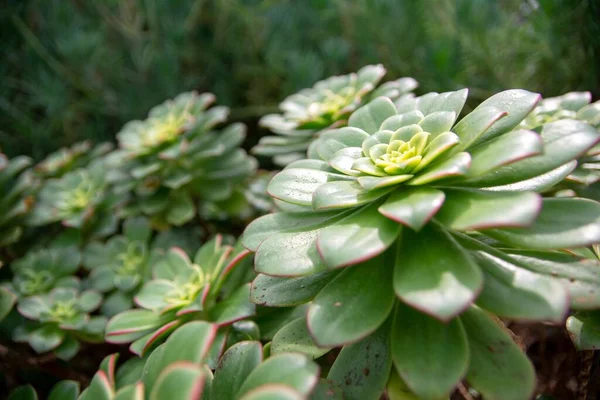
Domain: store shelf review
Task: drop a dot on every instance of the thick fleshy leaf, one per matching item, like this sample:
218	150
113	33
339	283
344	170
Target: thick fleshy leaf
441	144
290	254
273	391
362	369
295	338
517	103
32	307
179	381
287	292
131	325
331	142
503	150
377	182
345	158
234	308
539	183
438	122
89	300
456	165
584	330
137	229
265	226
435	275
344	194
294	370
23	392
517	293
370	117
64	390
467	210
234	367
396	122
496	359
564	141
354	304
474	125
358	237
99	388
413	207
175	263
149	341
578	275
190	343
430	356
297	185
152	295
447	101
562	223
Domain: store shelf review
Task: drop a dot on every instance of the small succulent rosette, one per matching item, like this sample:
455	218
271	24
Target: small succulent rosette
42	270
68	159
119	266
175	157
409	222
326	105
17	186
574	105
213	287
179	369
59	320
80	199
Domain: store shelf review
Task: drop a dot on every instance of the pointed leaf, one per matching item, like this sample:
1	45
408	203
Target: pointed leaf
505	149
467	210
234	367
562	223
540	183
517	103
297	185
179	381
353	305
362	369
435	275
294	337
271	291
430	356
358	237
456	165
413	207
496	359
131	325
370	117
474	125
344	194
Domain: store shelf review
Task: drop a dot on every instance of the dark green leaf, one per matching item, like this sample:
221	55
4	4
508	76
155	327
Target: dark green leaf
413	207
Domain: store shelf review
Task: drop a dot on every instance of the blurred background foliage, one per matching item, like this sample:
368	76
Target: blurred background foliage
76	69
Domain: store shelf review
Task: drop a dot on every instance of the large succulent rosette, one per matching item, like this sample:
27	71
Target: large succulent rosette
175	157
326	105
410	233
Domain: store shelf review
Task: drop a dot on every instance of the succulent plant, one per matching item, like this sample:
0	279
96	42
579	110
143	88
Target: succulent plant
326	105
574	105
17	200
68	159
174	158
60	319
81	199
405	223
178	369
213	287
120	265
42	270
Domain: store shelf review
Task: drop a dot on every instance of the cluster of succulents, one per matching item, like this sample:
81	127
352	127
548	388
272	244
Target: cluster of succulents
213	287
175	157
304	115
387	252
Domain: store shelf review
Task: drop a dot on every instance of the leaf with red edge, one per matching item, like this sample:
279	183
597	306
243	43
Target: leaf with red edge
180	381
